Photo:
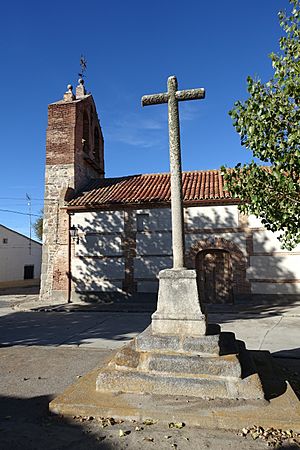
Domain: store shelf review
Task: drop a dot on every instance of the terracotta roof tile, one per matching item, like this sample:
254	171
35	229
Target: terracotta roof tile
151	188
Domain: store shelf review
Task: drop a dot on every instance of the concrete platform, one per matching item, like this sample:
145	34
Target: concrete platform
282	411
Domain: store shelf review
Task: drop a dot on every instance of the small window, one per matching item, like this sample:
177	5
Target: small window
28	272
5	241
141	221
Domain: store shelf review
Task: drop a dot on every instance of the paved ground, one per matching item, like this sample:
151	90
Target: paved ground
273	328
43	352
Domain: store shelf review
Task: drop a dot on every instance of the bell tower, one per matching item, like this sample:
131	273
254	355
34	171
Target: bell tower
74	156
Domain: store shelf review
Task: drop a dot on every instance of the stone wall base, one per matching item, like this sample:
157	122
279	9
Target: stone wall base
58	297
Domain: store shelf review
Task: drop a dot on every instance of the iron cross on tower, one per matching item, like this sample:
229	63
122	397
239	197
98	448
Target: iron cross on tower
172	97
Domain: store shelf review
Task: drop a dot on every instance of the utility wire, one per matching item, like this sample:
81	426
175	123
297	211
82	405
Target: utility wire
20	198
18	212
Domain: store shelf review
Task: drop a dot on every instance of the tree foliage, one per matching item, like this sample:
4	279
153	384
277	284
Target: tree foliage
268	123
38	227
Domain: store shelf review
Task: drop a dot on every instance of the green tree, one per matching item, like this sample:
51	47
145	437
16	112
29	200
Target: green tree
38	227
268	123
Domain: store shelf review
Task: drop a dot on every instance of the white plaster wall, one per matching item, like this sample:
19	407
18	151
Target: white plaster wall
94	274
99	221
279	267
101	284
159	219
147	286
266	241
254	222
99	245
154	243
211	217
148	267
155	240
91	269
15	255
275	288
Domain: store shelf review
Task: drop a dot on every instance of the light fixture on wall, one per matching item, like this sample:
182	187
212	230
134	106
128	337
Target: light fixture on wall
74	233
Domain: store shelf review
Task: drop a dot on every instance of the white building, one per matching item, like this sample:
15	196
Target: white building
20	257
124	248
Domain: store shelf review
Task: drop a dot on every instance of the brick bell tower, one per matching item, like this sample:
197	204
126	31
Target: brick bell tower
74	155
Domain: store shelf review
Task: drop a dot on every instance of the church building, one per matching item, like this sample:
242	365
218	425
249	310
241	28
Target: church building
111	236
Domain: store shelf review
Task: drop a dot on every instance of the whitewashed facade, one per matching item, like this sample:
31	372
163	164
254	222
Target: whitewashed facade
20	257
100	262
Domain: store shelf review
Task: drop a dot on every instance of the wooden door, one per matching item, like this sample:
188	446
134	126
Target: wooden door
214	276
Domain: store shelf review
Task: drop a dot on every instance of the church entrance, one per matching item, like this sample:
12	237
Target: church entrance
214	271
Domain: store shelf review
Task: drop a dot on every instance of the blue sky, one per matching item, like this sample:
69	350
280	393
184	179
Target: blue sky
131	47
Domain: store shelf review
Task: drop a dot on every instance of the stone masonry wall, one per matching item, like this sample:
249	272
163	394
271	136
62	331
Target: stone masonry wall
54	275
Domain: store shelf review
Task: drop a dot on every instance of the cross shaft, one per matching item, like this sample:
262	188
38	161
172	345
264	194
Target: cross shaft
172	97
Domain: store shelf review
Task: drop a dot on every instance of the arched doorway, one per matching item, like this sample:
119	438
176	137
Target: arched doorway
236	265
214	272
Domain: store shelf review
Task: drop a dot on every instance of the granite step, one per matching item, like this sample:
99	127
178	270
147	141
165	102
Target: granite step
214	343
207	387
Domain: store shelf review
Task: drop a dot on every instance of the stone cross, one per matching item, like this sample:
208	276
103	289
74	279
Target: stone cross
172	97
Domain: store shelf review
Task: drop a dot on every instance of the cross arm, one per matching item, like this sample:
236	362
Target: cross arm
187	94
155	99
190	94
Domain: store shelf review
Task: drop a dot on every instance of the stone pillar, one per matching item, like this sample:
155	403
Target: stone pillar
176	177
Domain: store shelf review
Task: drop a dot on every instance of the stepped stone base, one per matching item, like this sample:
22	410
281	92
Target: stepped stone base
282	411
208	367
178	354
182	369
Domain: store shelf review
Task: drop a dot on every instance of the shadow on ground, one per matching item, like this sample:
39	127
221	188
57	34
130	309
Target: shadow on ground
289	369
69	328
257	307
26	424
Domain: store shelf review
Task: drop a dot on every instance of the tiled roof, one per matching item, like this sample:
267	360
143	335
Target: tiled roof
151	188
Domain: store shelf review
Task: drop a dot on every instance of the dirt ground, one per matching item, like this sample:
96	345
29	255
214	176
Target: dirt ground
35	370
31	376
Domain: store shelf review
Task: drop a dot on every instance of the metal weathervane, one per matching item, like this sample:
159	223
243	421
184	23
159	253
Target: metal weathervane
83	65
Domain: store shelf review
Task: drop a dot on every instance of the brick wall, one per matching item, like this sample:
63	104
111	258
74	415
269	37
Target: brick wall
70	163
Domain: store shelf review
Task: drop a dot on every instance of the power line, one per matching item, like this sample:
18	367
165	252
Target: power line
21	198
18	212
